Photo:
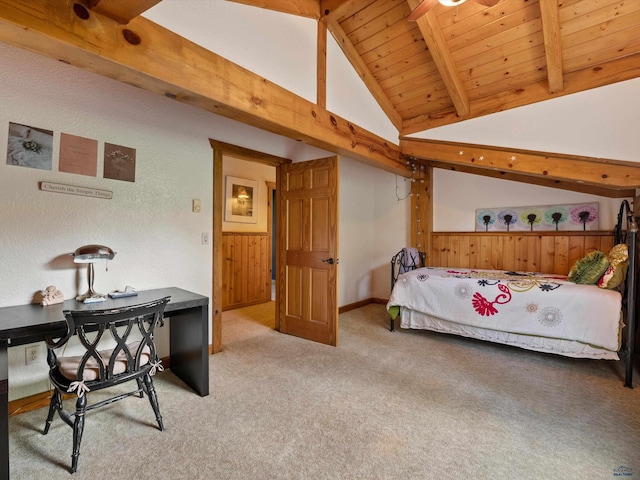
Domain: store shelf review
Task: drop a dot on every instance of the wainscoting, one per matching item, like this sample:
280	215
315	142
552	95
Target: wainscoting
549	252
246	269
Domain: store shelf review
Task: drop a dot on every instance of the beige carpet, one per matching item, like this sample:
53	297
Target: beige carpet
402	405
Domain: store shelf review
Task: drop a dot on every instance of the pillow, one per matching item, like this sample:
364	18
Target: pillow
589	269
617	271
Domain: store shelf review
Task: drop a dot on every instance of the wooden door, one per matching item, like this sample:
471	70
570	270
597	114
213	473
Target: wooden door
307	303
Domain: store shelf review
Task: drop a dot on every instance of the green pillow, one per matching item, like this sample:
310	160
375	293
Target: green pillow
617	271
589	269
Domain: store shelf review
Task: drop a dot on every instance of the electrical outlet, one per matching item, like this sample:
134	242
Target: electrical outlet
204	239
31	355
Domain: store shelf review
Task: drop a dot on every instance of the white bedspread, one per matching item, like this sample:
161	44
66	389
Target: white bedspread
517	302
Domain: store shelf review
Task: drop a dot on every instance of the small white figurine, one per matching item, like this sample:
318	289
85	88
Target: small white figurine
51	295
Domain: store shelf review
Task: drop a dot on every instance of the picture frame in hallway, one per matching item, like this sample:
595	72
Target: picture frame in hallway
240	200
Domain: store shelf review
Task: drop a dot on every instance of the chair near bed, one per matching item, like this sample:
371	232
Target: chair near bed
625	232
405	260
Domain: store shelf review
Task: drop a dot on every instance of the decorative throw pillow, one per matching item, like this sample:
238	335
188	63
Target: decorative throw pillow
589	269
618	262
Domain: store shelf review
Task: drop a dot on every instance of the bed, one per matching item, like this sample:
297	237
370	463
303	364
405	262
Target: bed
531	310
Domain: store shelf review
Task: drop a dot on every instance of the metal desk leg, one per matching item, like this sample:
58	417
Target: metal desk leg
189	348
4	417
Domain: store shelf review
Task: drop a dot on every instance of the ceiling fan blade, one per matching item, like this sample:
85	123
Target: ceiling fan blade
421	9
487	3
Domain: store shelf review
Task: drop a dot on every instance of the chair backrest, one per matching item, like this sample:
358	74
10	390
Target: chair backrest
406	260
118	327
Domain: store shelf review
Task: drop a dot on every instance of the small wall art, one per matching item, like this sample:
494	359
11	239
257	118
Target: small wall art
119	162
578	216
78	155
29	146
240	197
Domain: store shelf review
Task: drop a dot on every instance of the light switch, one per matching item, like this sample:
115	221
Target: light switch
196	205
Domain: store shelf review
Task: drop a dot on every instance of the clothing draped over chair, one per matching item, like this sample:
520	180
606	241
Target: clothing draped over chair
410	260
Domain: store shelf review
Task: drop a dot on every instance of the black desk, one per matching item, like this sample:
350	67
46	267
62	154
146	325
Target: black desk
188	336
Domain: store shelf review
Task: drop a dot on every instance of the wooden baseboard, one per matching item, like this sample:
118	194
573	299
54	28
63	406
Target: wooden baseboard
30	403
381	301
361	303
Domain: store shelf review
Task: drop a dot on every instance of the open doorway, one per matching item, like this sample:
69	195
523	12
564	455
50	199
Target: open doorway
243	252
247	253
306	244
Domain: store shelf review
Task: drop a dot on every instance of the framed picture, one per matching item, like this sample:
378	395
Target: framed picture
240	200
29	146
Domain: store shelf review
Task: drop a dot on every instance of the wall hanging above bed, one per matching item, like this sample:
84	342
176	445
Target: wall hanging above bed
577	216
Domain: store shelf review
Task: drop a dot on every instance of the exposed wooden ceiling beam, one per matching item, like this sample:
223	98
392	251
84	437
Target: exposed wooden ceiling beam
432	33
151	57
364	73
552	44
302	8
613	174
337	9
321	65
606	73
542	182
122	11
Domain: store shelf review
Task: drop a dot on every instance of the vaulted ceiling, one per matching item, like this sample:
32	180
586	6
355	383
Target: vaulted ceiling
452	64
461	62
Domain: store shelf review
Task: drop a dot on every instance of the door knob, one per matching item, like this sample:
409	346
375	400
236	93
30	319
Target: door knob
330	261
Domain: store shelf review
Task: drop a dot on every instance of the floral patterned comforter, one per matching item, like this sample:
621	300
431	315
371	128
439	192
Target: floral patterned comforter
516	302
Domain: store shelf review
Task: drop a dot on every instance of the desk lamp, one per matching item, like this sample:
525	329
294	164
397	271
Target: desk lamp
89	254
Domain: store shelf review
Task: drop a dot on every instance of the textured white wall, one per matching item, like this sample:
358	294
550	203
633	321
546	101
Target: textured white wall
602	122
276	46
373	227
148	223
356	231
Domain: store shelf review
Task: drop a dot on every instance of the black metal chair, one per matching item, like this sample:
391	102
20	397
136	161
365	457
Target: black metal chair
404	261
130	356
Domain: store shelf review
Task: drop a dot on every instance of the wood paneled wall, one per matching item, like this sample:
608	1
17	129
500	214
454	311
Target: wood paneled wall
246	269
548	252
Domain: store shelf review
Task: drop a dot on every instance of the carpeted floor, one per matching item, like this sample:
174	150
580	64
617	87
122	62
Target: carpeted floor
382	405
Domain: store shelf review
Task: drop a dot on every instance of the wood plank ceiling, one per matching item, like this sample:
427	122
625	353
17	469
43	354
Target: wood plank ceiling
466	61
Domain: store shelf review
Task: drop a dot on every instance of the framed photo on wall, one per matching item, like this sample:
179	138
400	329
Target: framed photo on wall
241	196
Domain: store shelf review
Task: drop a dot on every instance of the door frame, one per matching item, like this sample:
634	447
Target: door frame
220	150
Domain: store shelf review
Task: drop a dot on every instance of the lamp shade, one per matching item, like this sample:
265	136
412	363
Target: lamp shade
451	3
90	253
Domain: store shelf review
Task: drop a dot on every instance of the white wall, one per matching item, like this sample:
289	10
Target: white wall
356	232
276	46
598	123
373	227
348	97
149	223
